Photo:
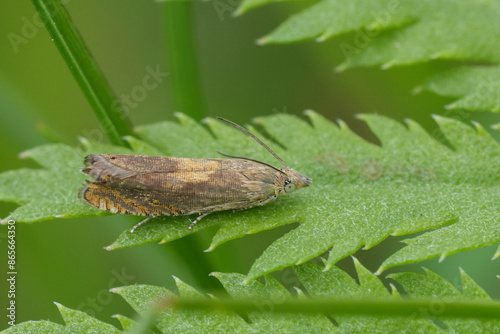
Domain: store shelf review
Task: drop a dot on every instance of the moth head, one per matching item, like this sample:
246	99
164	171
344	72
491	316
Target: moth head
289	178
294	180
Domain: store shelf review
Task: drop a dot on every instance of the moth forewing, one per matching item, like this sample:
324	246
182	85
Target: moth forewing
167	186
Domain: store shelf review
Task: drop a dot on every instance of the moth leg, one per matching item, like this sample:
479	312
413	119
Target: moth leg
200	217
142	222
264	202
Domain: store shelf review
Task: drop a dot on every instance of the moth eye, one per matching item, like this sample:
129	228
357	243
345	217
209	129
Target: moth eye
289	187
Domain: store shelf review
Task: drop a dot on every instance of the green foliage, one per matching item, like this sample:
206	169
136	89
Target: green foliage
361	193
443	186
332	296
76	322
477	86
403	32
50	192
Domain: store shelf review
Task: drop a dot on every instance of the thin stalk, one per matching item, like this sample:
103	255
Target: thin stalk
409	307
68	41
182	60
186	93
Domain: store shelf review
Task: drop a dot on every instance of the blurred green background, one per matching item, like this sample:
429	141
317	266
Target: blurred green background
64	260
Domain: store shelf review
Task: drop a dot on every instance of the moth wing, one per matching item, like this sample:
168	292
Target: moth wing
181	185
121	169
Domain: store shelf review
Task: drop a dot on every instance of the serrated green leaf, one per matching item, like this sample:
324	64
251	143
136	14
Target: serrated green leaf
80	322
35	327
357	306
335	283
328	18
247	5
435	34
394	33
361	193
128	324
75	322
144	297
425	30
442	291
422	184
270	294
50	192
478	88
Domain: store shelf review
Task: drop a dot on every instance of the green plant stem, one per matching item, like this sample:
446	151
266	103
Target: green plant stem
84	69
186	94
182	59
367	306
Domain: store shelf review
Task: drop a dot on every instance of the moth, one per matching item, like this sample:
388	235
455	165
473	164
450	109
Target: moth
167	186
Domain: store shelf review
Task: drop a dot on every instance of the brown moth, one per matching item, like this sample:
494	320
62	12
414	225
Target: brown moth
166	186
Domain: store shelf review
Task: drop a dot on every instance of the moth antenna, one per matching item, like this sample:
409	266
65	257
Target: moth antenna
260	162
245	131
